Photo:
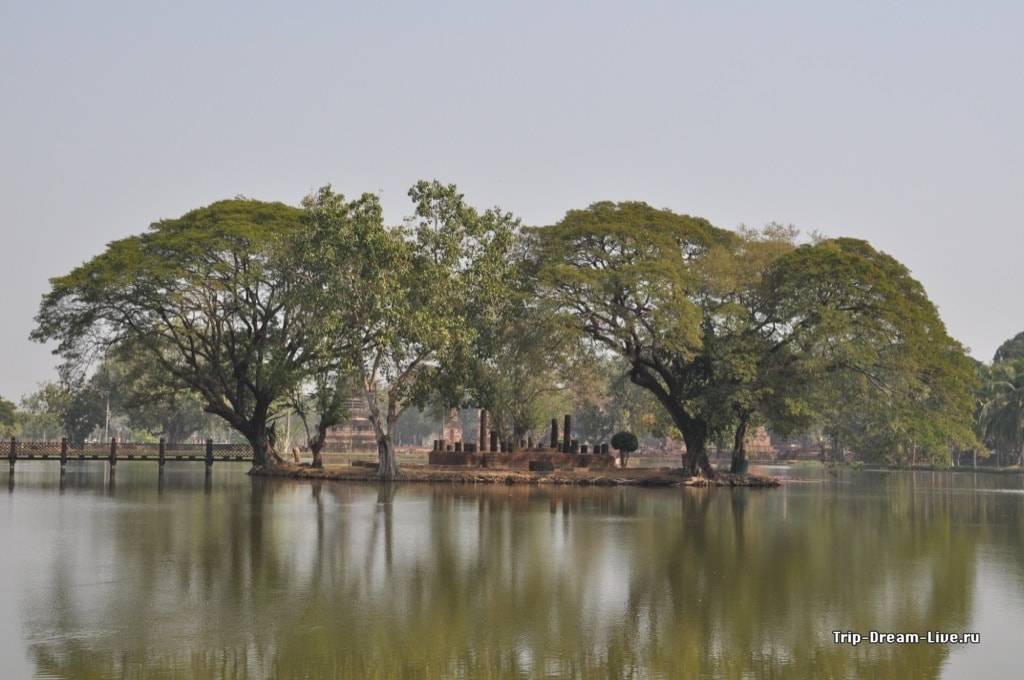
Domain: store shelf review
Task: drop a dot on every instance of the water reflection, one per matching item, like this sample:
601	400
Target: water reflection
226	576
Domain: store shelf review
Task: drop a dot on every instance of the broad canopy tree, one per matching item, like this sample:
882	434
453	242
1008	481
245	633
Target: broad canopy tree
855	340
722	328
253	306
624	275
203	297
397	304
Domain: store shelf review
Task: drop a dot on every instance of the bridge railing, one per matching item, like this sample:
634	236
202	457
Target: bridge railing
114	451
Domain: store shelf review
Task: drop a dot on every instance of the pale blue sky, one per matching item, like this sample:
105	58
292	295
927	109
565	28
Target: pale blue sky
899	123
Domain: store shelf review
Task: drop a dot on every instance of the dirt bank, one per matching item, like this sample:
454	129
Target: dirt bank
578	477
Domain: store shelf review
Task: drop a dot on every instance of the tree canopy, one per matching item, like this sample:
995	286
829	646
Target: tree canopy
202	296
397	306
251	308
862	347
721	326
1001	409
626	276
1010	350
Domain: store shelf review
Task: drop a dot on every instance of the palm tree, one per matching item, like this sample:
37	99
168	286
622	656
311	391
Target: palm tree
1001	414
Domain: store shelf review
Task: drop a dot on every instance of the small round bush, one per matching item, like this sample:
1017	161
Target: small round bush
625	441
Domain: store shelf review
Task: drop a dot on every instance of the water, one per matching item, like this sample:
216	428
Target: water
232	577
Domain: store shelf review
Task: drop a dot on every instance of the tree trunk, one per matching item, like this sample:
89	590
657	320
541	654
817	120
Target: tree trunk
263	442
316	444
261	438
696	456
739	445
694	430
387	466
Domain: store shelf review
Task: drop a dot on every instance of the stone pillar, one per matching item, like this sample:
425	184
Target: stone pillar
567	434
554	433
483	429
494	442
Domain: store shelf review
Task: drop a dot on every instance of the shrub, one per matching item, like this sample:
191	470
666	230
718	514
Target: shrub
626	443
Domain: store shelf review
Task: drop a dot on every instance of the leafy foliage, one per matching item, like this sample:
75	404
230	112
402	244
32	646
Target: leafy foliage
73	409
1010	350
8	419
724	328
202	297
625	275
625	441
148	397
396	304
1001	414
860	345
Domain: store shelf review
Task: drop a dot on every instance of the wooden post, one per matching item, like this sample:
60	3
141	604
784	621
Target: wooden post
113	451
162	456
63	453
209	454
567	434
554	433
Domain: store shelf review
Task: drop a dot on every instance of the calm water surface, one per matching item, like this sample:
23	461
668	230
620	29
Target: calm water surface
232	577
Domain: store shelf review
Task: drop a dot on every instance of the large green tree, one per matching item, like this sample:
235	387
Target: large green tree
522	357
396	303
626	276
853	339
202	296
723	328
741	358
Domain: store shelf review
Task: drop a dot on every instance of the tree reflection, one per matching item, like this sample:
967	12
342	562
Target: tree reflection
286	579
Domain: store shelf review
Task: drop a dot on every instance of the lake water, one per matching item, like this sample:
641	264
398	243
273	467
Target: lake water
233	577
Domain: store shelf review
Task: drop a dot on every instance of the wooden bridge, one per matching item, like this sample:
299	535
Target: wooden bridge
63	451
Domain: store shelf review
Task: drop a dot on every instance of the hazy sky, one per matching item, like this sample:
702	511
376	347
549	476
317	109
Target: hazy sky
895	122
